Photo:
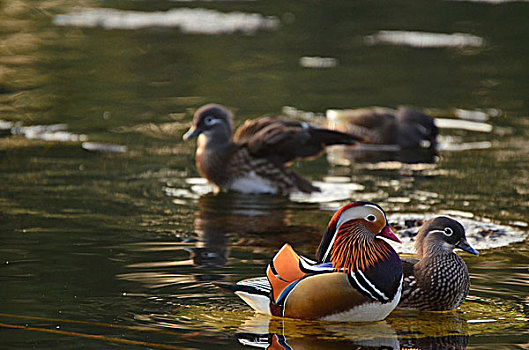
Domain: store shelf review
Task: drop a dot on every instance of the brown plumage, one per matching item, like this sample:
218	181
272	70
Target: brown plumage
405	127
439	279
254	161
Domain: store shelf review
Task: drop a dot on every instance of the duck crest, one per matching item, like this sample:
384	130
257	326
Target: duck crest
353	251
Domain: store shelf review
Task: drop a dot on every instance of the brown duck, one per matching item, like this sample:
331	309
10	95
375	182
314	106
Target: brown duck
405	127
254	161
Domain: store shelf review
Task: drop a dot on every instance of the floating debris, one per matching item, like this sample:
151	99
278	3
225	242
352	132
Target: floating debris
424	39
480	232
190	21
103	147
318	62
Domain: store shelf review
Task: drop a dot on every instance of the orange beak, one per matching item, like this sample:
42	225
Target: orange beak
386	232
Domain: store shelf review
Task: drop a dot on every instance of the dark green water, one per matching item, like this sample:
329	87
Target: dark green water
101	250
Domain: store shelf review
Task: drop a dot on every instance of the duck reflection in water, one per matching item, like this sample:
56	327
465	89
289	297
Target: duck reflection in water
412	330
430	330
248	220
365	153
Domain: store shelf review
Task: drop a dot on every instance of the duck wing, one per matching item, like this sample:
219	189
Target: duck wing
284	141
288	268
284	272
375	125
409	282
408	265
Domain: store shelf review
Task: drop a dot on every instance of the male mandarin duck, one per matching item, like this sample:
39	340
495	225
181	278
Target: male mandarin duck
438	280
405	127
254	161
358	276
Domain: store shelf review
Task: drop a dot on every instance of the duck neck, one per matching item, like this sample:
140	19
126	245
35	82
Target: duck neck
213	140
357	249
430	246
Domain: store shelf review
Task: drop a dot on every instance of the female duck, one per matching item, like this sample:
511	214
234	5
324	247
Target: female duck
438	280
254	160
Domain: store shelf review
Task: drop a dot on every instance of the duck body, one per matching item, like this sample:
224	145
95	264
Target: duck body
254	161
355	279
439	279
233	167
405	127
433	286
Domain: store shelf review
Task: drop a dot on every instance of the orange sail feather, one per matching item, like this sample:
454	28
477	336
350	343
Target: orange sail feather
284	270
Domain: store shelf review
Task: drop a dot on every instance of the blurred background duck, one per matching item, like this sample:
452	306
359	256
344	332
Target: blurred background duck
254	161
404	127
438	280
358	275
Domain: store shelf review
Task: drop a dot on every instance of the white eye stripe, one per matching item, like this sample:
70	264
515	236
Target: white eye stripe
356	213
448	231
209	120
379	210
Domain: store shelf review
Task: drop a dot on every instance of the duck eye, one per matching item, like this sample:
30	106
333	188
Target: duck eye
448	231
209	120
371	218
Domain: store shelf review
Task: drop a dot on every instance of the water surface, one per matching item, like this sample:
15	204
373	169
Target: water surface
115	243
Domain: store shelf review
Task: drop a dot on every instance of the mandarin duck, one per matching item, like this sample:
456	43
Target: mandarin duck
254	161
358	275
405	127
439	279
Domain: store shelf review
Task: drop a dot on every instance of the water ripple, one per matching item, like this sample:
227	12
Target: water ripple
190	21
424	39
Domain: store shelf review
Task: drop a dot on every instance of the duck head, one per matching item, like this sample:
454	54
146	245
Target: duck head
213	123
353	237
416	129
441	235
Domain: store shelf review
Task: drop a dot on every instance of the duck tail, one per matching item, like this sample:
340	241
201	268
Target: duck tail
255	292
333	137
